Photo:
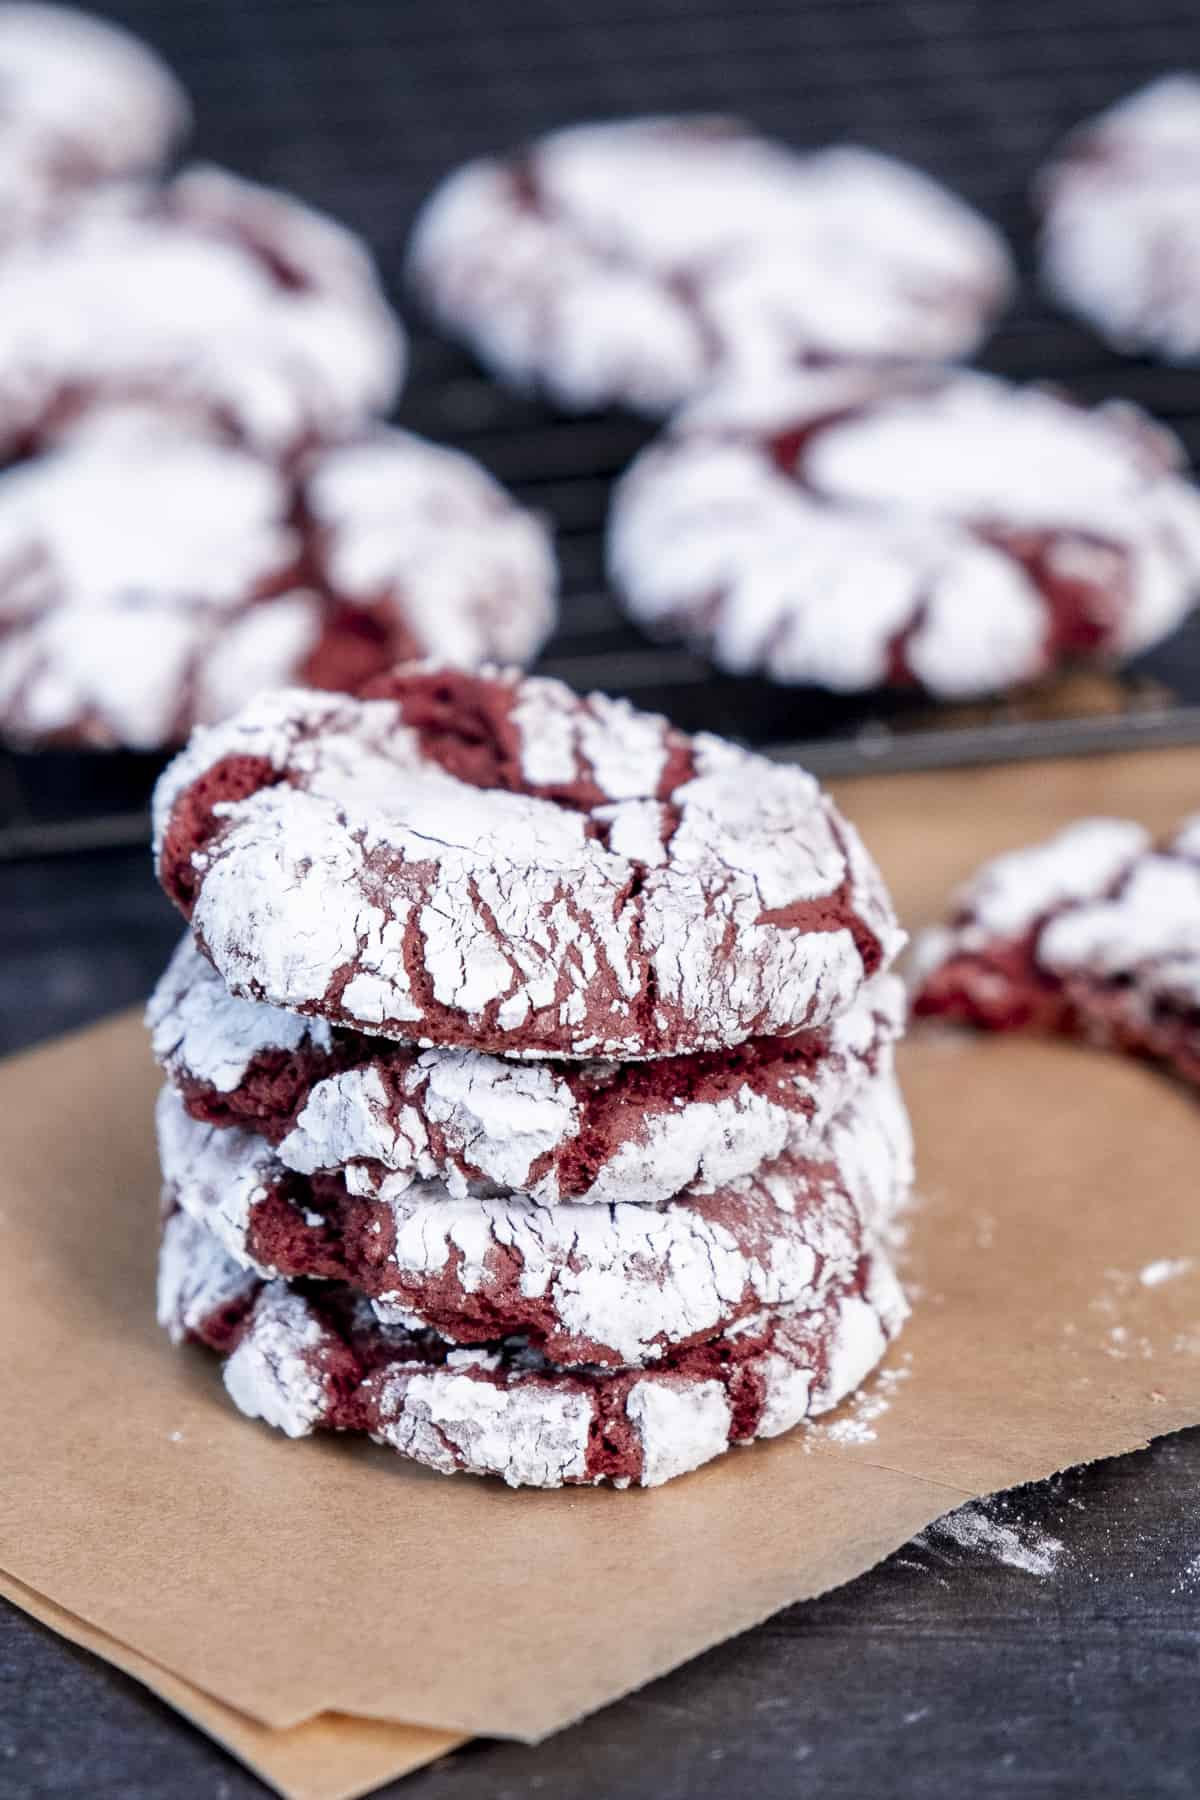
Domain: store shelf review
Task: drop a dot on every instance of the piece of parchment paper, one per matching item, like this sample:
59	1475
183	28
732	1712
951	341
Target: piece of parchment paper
262	1585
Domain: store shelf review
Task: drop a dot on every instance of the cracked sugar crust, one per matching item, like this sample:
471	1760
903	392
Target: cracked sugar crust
633	262
1094	934
307	1357
202	1294
493	862
386	1115
1120	203
851	528
616	1285
212	298
153	576
83	101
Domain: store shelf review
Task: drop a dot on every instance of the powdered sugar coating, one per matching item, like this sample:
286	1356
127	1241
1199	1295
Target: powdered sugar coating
362	880
850	528
1121	232
82	101
619	1285
1015	891
152	576
503	1410
596	1133
631	262
199	1032
1095	933
199	1283
413	527
272	1374
211	297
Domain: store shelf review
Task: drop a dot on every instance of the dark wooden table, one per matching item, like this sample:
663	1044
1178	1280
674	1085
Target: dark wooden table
943	1673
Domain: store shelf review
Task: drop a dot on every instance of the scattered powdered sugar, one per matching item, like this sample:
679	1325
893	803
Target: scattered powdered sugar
1121	1343
1189	1578
863	1410
1018	1546
1167	1268
1118	1315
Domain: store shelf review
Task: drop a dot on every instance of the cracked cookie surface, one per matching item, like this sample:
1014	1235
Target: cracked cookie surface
314	1357
622	1284
385	1115
945	529
632	262
493	862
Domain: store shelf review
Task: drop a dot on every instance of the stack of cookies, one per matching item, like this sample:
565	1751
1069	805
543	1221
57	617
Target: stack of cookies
530	1101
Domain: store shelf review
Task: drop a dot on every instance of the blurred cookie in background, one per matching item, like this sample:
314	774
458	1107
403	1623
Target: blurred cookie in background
1121	221
152	577
633	262
855	528
1093	934
211	296
81	101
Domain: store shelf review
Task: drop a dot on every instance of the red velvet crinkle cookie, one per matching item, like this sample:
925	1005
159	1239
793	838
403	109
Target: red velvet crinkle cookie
494	862
211	296
385	1115
313	1356
1121	221
152	576
1093	934
849	528
618	1285
632	262
82	101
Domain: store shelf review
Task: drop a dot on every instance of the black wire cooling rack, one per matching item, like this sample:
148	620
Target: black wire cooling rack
361	105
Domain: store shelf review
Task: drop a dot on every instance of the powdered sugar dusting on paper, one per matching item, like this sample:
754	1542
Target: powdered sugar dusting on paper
1167	1268
863	1411
1118	1315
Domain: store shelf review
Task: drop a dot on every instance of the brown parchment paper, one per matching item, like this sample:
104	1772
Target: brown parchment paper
329	1757
284	1581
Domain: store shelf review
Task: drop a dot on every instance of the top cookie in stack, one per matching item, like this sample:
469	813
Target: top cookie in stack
530	1097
